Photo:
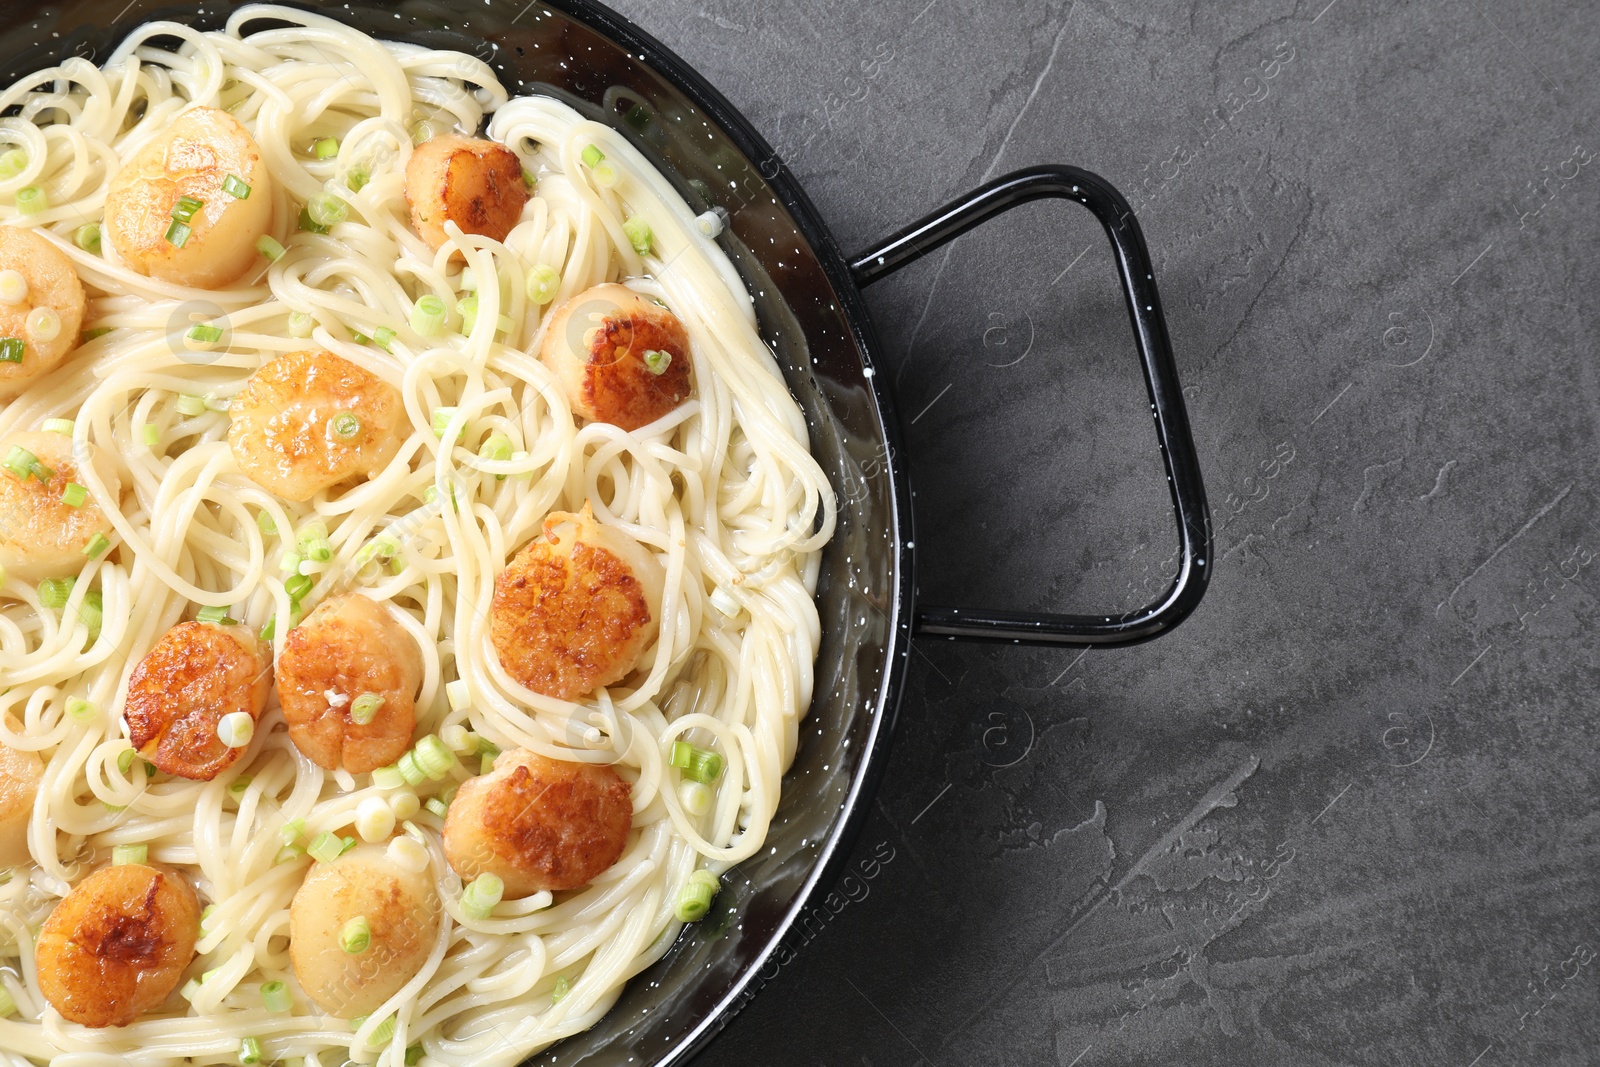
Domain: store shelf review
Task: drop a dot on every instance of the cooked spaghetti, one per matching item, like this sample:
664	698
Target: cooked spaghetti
420	514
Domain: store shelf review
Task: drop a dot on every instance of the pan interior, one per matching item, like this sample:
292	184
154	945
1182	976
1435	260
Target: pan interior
811	316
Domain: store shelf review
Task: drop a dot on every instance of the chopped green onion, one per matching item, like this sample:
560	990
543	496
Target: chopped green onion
178	233
529	179
122	855
300	324
481	896
427	316
388	777
346	843
13	163
467	308
696	763
356	936
694	899
89	335
592	156
185	208
364	707
80	710
383	1034
288	854
74	495
695	797
292	831
53	592
205	333
239	785
325	847
562	987
20	461
217	616
487	747
326	209
265	524
441	420
87	237
313	542
32	200
656	361
422	131
270	630
10	350
496	448
125	760
326	148
92	613
96	546
638	233
236	187
413	1055
605	175
276	997
542	283
150	435
434	758
268	246
191	404
437	806
357	179
60	426
297	586
383	337
236	729
309	224
346	424
410	770
249	1052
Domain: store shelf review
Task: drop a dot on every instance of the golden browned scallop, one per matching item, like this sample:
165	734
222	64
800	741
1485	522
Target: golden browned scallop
41	305
473	183
20	774
308	421
179	693
576	609
192	161
398	909
118	945
348	652
538	823
41	534
620	358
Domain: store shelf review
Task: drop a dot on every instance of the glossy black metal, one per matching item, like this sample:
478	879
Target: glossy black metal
1137	276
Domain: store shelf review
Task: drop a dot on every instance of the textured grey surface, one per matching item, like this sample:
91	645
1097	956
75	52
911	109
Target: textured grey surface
1347	813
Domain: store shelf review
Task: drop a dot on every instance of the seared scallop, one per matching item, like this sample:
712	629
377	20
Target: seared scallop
308	421
620	358
189	207
195	676
118	945
576	609
348	679
473	183
41	533
539	823
20	774
360	927
41	308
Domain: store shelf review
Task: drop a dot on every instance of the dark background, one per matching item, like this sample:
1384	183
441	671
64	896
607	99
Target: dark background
1347	813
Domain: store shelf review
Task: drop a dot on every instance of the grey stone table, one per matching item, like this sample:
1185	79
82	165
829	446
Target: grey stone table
1347	813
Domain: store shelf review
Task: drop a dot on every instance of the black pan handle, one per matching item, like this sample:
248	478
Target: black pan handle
1160	376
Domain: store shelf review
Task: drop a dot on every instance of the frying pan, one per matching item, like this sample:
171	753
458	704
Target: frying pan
808	299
